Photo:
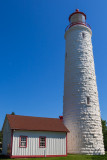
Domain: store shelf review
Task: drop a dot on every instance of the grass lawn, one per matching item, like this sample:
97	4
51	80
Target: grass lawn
69	157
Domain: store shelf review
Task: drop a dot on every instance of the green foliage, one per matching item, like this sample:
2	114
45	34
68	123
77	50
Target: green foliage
0	136
12	113
104	130
72	157
1	141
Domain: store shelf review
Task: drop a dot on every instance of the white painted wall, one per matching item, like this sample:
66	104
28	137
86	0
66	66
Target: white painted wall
83	121
6	137
55	143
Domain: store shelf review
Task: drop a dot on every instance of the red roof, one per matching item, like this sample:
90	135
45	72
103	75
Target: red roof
36	123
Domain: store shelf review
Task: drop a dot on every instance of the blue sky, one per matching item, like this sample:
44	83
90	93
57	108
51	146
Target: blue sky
32	51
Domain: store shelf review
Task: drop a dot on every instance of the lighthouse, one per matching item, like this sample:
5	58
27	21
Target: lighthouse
81	112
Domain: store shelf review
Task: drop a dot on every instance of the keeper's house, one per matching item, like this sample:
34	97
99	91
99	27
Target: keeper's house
25	136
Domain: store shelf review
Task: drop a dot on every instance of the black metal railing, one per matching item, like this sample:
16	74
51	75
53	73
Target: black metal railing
77	23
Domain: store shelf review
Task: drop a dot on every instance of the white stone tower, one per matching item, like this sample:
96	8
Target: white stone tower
81	113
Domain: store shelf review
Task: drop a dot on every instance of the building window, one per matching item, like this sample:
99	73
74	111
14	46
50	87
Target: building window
42	142
23	141
88	100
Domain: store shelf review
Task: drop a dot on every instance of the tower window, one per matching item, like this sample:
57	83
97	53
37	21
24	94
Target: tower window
66	55
88	100
83	34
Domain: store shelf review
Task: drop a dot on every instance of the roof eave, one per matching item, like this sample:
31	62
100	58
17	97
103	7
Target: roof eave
38	130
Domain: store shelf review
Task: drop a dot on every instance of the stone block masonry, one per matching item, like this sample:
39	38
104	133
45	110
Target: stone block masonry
81	112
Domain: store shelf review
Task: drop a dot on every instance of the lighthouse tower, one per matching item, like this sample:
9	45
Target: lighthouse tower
81	113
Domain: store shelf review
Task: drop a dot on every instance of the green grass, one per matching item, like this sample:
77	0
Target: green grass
70	157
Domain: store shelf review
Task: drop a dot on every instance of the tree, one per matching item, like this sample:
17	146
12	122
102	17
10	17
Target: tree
12	113
104	130
0	136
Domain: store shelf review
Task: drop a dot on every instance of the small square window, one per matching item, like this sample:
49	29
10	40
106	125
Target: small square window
83	34
42	142
88	100
23	141
66	55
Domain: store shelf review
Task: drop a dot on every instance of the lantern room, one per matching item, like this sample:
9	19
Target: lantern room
77	17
